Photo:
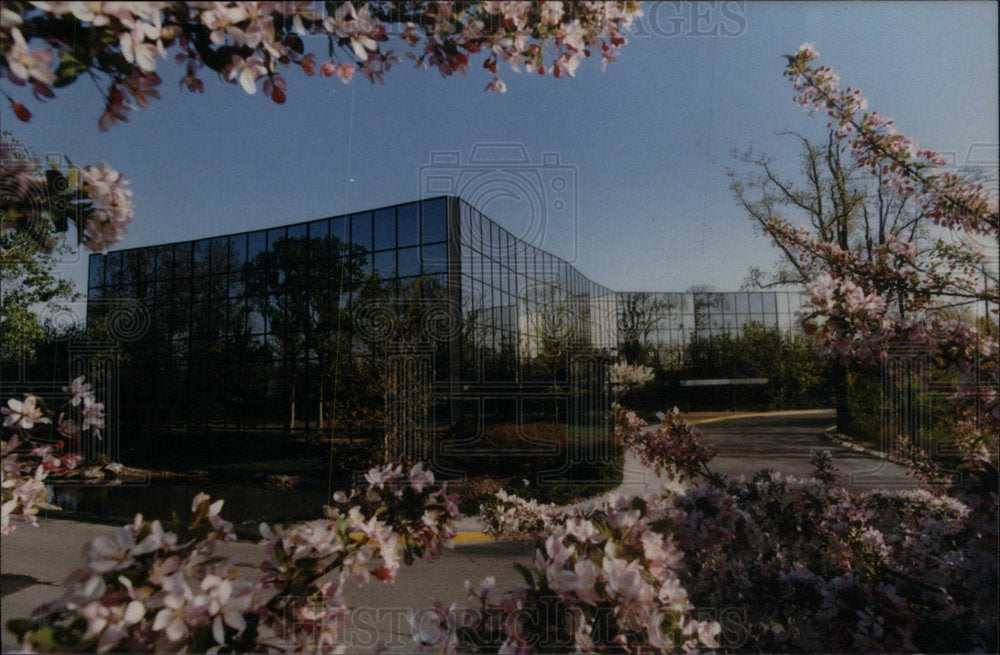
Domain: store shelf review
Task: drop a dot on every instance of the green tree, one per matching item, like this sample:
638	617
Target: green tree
28	278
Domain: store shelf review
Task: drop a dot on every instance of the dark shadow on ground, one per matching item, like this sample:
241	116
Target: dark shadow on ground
11	583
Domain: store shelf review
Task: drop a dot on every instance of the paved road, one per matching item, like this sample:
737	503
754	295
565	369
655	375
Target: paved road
785	443
35	561
781	441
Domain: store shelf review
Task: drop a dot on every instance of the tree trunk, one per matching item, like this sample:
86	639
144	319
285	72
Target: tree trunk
319	419
842	397
291	407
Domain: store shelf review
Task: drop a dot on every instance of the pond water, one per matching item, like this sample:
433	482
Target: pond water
158	498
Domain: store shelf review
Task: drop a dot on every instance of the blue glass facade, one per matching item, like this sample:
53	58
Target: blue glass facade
416	325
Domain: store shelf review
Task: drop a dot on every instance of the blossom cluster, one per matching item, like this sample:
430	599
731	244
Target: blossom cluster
399	517
153	589
807	564
855	325
511	517
27	465
851	322
150	589
673	447
608	579
94	197
816	567
246	42
111	209
891	269
624	376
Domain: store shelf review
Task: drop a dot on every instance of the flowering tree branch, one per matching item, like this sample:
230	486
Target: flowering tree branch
26	466
152	588
37	204
246	42
807	565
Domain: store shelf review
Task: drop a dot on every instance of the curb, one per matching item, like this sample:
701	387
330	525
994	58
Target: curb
471	538
788	412
842	441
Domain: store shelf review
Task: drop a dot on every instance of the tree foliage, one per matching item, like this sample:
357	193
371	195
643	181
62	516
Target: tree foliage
28	278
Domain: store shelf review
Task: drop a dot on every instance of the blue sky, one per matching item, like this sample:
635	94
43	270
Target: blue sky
645	145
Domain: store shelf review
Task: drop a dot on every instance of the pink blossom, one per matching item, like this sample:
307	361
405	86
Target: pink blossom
419	478
248	70
25	64
23	413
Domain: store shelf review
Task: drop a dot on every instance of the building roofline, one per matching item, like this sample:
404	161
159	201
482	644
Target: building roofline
273	227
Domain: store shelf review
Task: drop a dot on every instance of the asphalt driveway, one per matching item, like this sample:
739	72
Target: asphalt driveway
785	442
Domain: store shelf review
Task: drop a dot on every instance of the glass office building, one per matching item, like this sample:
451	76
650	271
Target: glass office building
413	321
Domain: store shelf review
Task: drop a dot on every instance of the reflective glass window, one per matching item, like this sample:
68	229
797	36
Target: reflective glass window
409	261
435	258
238	249
220	255
385	264
770	303
235	284
218	286
180	318
163	261
319	229
201	317
256	244
113	268
340	229
361	230
364	263
256	322
385	229
435	222
274	235
182	260
202	250
96	272
408	224
782	300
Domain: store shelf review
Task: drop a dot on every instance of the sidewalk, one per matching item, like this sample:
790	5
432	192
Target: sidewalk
37	560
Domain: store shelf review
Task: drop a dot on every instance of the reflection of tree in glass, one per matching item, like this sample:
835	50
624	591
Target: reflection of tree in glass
299	285
552	321
548	326
638	316
795	371
706	303
392	372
